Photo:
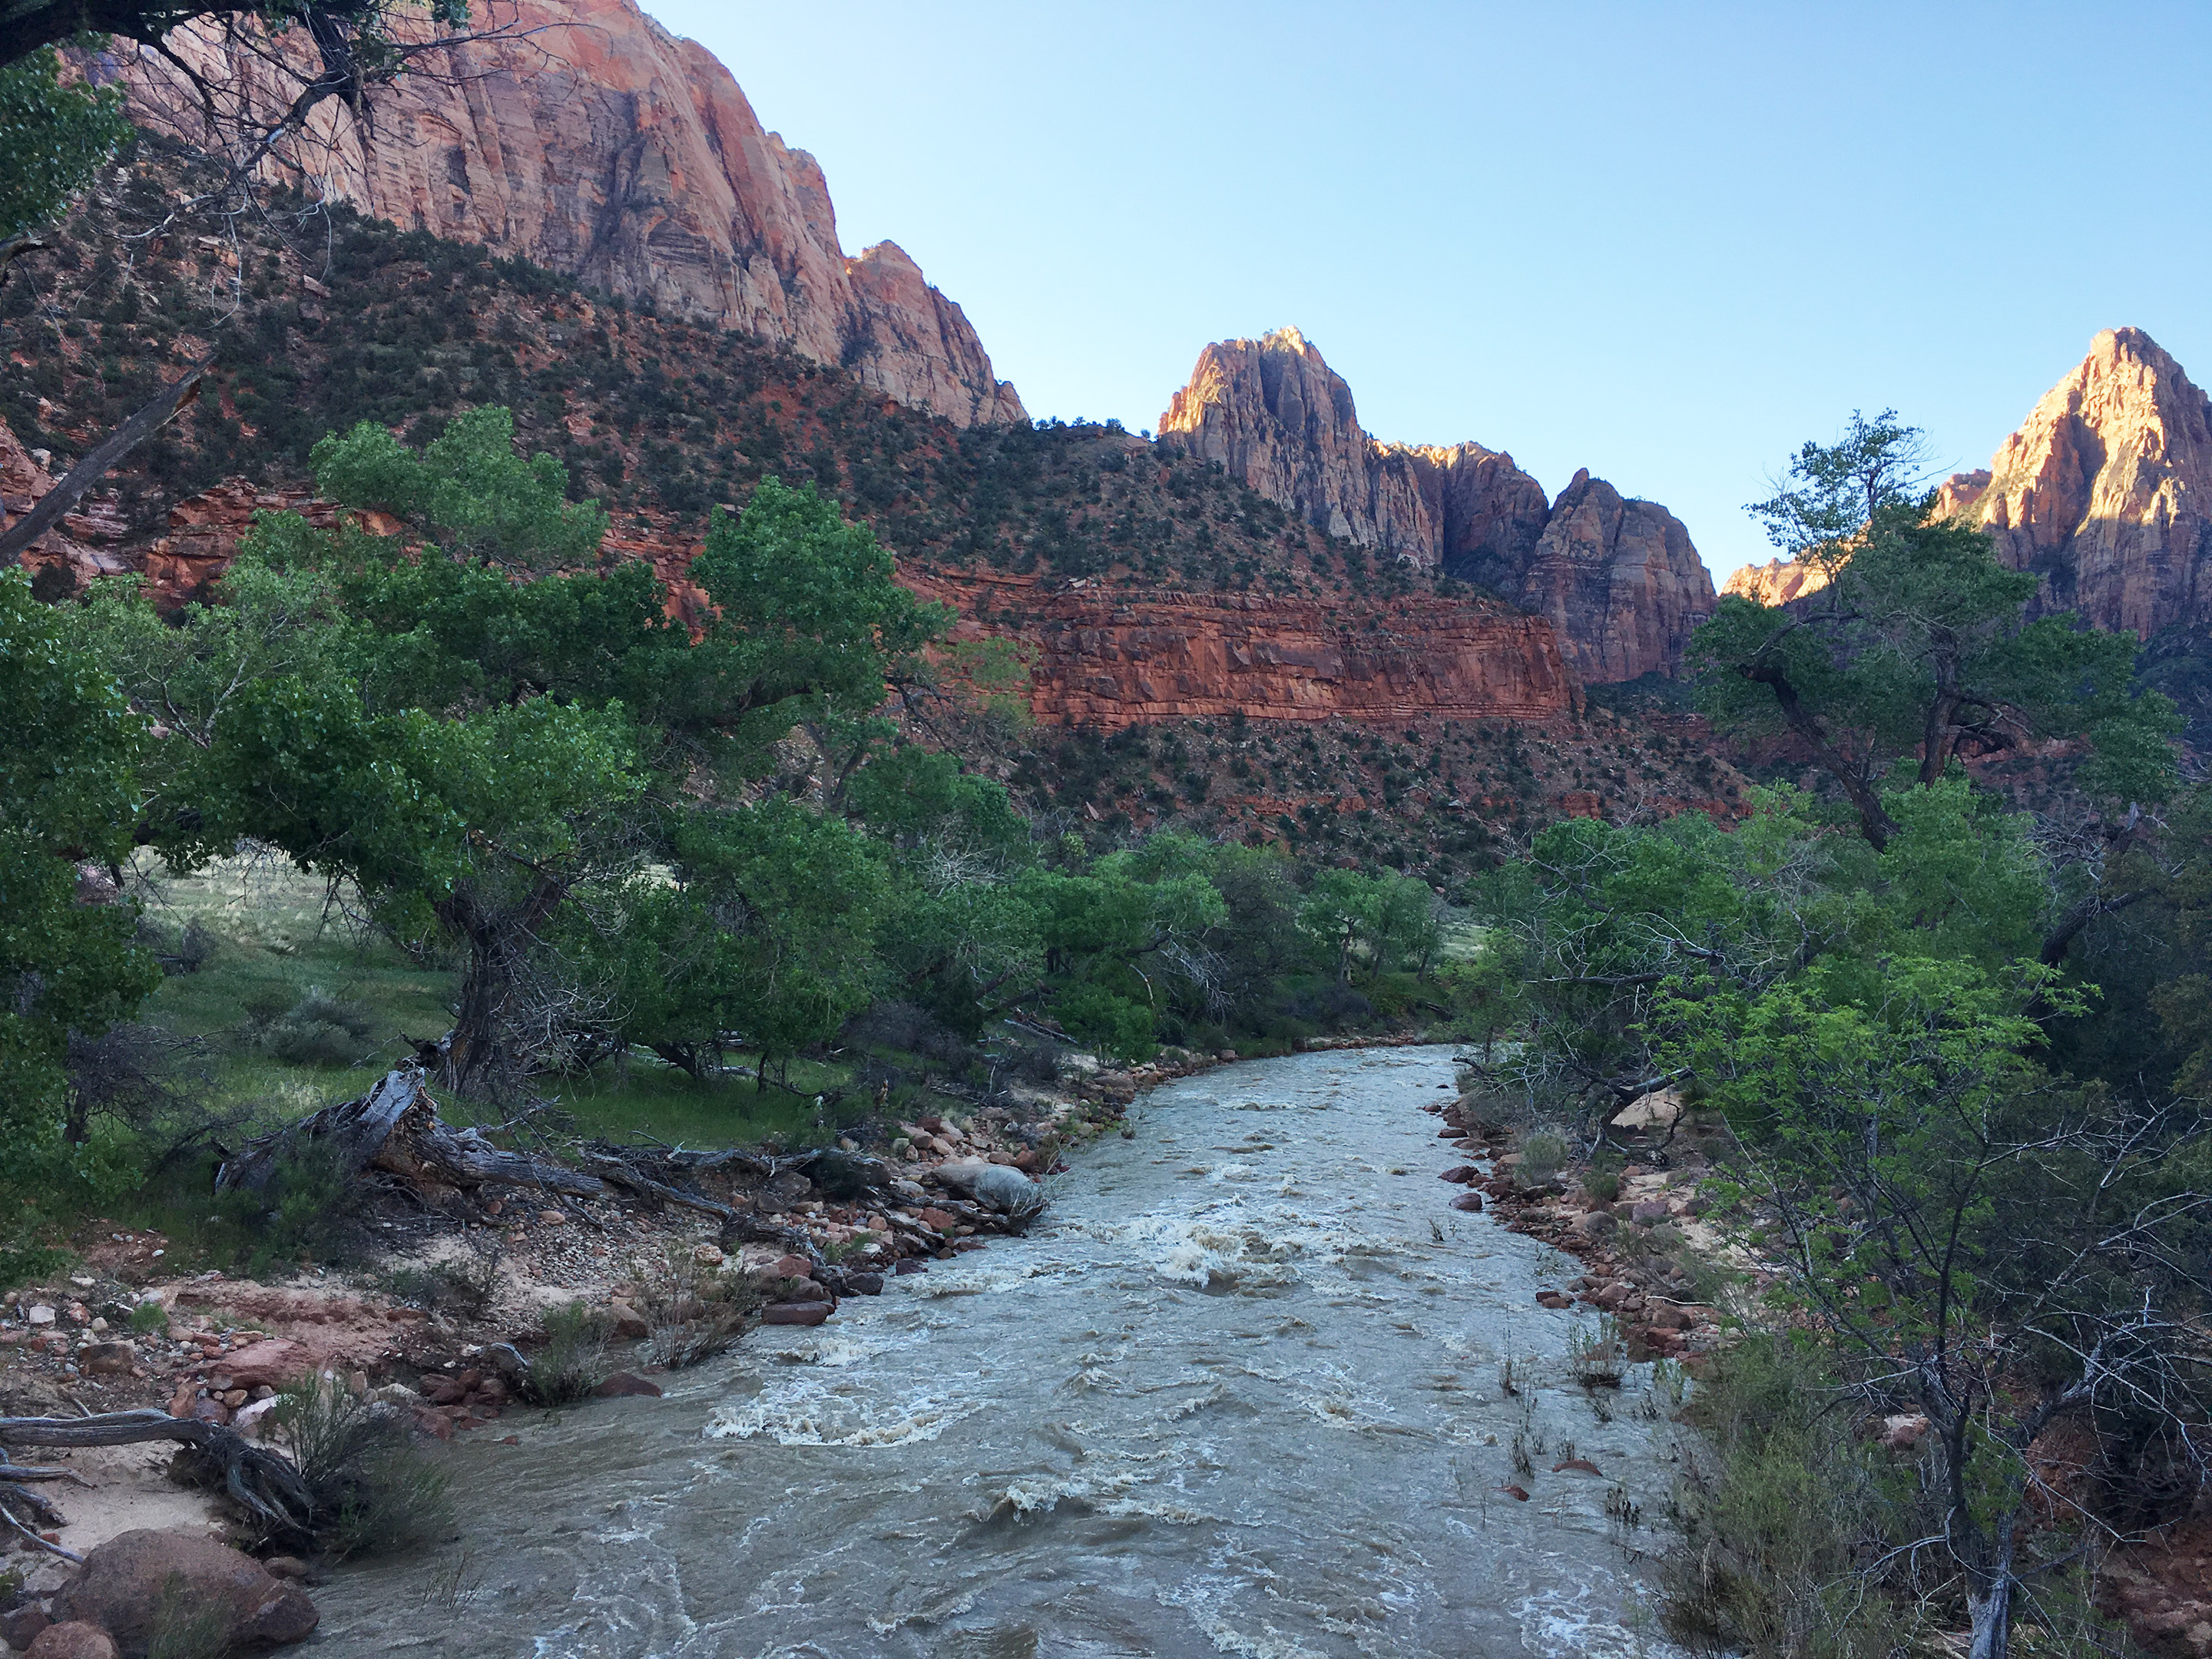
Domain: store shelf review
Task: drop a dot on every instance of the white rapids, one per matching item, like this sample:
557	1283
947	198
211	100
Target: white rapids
1237	1393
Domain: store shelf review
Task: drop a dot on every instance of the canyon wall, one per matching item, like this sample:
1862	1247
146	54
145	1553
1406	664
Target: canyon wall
1618	580
593	142
1110	658
2105	492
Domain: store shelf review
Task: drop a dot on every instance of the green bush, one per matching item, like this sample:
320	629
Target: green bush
573	1360
372	1489
1541	1155
318	1029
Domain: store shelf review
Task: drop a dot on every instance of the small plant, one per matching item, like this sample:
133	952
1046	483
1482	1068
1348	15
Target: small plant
572	1359
691	1311
371	1490
181	1630
1541	1155
1595	1353
148	1317
318	1029
1511	1374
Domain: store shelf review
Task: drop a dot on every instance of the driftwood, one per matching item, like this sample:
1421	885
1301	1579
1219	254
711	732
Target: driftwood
264	1484
395	1127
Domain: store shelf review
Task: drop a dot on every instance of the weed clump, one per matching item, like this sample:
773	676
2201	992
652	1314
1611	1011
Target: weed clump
572	1359
372	1489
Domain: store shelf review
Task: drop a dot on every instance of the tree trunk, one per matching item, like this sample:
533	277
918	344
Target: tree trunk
1990	1607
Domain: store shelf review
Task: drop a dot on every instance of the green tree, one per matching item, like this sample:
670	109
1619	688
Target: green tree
53	138
67	792
1918	645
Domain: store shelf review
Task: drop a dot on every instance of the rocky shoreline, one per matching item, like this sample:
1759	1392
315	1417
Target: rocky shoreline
1627	1242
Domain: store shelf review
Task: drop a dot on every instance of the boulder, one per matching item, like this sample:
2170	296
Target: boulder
1553	1299
106	1359
129	1584
271	1363
1471	1201
1464	1174
625	1385
794	1313
74	1639
19	1625
995	1186
1595	1224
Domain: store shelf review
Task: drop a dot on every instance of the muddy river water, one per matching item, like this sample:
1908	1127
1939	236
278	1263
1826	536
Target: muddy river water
1238	1392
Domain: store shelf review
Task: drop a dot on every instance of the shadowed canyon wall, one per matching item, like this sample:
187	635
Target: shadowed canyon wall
1619	579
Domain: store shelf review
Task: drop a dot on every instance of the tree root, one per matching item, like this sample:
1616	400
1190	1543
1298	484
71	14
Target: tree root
263	1484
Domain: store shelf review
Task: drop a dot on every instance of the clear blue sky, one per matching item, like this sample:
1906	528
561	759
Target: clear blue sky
1666	242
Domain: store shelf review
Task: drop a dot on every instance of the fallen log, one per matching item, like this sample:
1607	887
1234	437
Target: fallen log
395	1127
261	1482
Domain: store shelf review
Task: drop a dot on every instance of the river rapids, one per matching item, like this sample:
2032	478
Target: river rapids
1241	1391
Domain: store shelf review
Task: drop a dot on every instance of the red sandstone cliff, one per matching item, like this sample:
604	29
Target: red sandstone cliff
1112	659
600	145
2105	493
1619	579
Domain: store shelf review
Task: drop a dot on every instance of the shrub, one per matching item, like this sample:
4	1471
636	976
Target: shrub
1541	1154
318	1029
691	1311
371	1490
572	1359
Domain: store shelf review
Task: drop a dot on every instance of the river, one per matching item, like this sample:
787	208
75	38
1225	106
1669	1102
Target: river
1239	1393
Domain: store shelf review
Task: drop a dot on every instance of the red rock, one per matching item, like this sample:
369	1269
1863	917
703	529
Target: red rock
1579	1465
1618	580
938	1221
1471	1201
441	1389
435	1424
598	144
794	1313
1553	1299
1449	1132
126	1582
268	1364
1516	1493
211	1411
1463	1174
76	1638
20	1625
792	1267
625	1385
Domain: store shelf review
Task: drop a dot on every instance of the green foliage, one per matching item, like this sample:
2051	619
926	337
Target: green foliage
1918	647
66	794
468	490
52	139
372	1492
572	1359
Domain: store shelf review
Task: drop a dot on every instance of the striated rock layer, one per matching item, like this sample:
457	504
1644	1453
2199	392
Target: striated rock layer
1775	582
1619	579
1105	659
1110	660
599	144
2105	493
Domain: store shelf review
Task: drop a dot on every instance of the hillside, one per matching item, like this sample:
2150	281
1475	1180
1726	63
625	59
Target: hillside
1193	651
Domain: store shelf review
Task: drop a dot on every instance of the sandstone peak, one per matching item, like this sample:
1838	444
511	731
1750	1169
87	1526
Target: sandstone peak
2105	492
599	144
1620	580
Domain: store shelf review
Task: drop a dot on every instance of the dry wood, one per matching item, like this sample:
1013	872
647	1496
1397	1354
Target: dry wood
264	1485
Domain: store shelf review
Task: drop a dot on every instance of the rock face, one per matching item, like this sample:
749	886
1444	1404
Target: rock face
2105	493
1778	580
1619	579
600	145
1112	660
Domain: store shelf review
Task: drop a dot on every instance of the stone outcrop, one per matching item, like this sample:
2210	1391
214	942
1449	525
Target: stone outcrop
130	1584
1620	580
2105	493
597	144
1112	659
1775	582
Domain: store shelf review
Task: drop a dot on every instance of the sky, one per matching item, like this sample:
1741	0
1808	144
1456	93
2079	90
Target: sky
1668	243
